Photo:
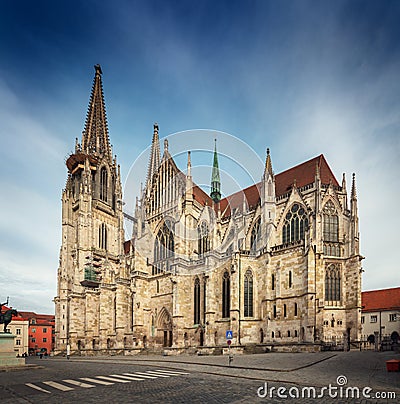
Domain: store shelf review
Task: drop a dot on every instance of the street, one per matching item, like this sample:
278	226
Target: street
268	378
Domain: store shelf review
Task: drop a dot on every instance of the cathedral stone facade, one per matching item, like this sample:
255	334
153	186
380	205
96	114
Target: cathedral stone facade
277	263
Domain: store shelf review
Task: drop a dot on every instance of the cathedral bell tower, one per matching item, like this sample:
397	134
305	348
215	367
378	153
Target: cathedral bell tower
92	234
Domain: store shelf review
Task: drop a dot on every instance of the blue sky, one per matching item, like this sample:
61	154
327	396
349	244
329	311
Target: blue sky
300	77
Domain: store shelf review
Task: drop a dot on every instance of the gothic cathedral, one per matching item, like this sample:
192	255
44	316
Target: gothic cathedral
277	263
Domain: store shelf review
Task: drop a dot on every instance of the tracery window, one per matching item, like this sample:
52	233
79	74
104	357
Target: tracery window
255	235
295	224
203	238
196	301
103	236
332	283
103	184
331	230
248	294
226	295
164	248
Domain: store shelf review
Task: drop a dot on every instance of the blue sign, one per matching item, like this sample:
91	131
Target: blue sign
229	334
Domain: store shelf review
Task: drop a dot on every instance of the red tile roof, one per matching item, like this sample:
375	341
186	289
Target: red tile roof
303	174
384	299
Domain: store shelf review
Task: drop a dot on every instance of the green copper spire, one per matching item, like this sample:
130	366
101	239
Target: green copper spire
215	179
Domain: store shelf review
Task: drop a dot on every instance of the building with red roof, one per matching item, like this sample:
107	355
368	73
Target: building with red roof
381	314
41	332
275	263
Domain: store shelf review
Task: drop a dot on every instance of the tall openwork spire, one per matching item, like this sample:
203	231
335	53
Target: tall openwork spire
154	161
95	135
215	178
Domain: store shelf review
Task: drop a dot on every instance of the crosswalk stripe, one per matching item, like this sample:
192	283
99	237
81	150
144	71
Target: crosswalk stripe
144	375
77	383
127	377
158	374
36	387
58	386
113	379
172	372
89	379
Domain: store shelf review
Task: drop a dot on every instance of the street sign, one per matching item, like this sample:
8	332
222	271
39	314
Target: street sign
229	341
229	334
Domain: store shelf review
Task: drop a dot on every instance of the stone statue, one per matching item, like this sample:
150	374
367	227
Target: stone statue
7	315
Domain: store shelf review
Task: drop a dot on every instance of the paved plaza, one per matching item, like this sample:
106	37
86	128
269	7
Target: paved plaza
202	379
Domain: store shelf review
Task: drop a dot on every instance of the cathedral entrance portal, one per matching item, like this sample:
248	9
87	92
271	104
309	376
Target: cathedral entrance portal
164	326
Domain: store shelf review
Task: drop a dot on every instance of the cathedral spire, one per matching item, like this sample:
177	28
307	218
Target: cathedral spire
353	188
95	138
154	161
268	164
215	179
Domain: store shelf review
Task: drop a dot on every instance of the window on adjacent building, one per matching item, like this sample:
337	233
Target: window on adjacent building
17	342
226	295
33	330
33	339
392	317
44	339
362	319
295	224
44	330
18	331
248	294
332	283
373	319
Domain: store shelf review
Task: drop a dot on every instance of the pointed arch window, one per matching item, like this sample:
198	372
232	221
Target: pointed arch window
164	248
226	295
203	238
103	184
332	284
196	301
331	230
295	225
103	236
255	235
248	294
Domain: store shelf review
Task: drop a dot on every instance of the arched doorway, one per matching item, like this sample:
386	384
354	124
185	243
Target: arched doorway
394	337
164	325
